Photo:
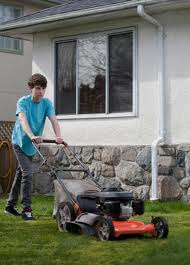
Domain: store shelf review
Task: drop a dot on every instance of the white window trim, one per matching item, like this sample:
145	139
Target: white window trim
14	51
134	113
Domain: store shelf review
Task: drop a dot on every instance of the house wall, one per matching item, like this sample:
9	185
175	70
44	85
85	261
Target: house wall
143	128
15	70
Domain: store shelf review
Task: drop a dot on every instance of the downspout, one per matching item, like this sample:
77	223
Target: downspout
160	139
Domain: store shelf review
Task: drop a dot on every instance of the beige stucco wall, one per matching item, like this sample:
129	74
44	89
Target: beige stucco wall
15	69
143	128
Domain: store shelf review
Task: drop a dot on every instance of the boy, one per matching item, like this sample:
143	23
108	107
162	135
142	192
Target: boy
31	114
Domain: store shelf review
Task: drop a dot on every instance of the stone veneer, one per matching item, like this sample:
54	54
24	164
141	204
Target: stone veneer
125	166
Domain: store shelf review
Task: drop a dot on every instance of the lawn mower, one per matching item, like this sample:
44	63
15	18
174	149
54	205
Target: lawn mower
82	206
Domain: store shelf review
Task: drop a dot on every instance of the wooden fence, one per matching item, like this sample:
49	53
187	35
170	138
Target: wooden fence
7	158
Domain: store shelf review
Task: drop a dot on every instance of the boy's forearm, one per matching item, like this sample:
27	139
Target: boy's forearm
25	125
55	126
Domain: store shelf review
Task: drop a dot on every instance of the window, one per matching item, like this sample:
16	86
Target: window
95	74
10	44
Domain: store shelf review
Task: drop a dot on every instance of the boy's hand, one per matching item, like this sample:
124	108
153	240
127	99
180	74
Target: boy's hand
37	139
59	140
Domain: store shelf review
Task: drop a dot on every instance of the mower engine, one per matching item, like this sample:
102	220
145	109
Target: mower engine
120	205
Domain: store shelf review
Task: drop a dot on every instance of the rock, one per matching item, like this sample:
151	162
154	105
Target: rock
53	150
130	173
78	150
147	179
166	151
184	197
163	170
128	153
144	158
167	161
108	171
109	182
180	159
185	183
73	161
185	148
64	174
142	192
77	174
65	161
43	168
178	173
96	168
111	156
59	157
43	183
186	164
44	150
97	154
168	188
128	188
87	154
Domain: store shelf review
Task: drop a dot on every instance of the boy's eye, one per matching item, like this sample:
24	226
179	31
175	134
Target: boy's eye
39	88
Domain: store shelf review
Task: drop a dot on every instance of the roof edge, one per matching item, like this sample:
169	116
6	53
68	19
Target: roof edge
12	25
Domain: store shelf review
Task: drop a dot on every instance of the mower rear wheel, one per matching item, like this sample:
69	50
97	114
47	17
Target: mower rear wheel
161	227
65	213
104	229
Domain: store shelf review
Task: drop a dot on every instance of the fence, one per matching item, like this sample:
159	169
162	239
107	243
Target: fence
7	159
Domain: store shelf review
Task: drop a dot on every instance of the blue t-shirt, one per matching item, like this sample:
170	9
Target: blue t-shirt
36	113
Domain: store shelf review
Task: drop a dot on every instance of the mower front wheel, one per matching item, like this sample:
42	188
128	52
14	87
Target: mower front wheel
65	213
104	229
161	226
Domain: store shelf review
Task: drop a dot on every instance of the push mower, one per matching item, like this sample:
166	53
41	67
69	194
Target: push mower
82	206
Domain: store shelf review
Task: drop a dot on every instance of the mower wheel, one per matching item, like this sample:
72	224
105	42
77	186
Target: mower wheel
104	229
161	226
65	213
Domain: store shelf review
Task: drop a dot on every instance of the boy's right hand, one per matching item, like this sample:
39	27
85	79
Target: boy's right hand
37	139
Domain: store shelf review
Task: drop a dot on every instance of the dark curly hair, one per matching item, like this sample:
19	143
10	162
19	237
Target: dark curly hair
37	80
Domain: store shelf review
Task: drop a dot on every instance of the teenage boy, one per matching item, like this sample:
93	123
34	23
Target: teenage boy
31	113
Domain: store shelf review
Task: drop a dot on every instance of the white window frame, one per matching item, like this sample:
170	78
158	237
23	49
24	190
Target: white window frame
134	113
4	38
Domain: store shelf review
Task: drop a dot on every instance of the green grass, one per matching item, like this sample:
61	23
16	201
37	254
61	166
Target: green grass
39	242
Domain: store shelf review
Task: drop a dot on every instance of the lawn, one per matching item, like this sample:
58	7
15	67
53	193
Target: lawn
39	242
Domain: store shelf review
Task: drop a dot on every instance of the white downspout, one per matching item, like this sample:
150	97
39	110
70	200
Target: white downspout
160	139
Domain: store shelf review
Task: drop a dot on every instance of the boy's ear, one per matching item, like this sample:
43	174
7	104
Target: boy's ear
30	87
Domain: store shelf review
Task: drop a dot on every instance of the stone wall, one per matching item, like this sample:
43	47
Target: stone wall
128	167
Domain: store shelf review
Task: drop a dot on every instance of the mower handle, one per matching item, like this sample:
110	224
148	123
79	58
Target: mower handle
86	169
48	141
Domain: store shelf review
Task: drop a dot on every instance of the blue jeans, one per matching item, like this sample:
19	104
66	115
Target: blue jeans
22	183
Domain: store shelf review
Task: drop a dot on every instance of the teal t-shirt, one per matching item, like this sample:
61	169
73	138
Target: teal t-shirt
36	113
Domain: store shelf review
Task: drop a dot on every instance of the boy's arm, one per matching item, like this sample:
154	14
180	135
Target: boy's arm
56	129
27	129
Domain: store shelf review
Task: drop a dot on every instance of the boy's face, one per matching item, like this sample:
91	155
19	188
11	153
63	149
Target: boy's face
37	93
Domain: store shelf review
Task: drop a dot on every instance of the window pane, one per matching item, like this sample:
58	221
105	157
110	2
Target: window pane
121	72
92	69
66	77
1	42
8	43
16	44
8	13
16	12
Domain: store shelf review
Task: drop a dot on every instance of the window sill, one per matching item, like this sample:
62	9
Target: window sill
96	116
20	52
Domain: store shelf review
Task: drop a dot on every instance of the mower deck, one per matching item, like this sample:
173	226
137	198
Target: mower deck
132	227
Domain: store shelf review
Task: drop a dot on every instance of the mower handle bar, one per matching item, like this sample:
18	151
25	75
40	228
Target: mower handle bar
48	141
